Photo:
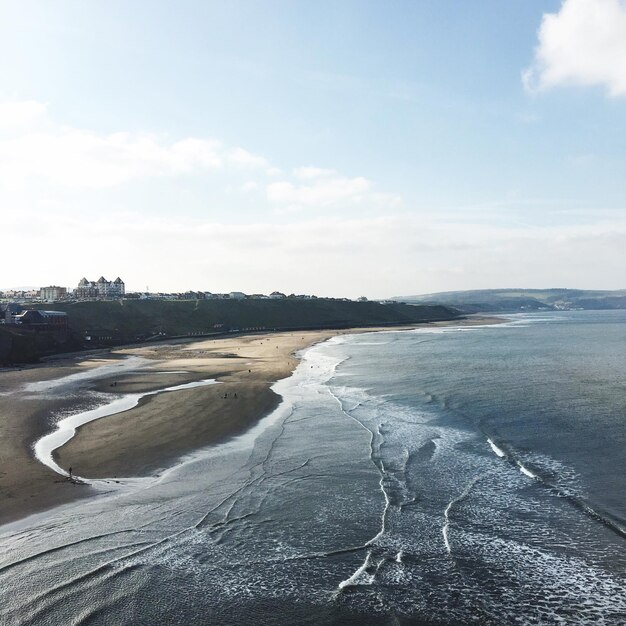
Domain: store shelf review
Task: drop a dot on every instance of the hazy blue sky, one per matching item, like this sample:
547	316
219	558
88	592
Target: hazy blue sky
338	148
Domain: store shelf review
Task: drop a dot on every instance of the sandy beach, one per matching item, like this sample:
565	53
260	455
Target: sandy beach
160	429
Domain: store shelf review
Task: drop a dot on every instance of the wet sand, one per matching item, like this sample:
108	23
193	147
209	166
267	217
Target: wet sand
151	436
163	427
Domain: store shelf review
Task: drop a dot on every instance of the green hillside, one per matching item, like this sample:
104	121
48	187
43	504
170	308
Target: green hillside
110	323
128	320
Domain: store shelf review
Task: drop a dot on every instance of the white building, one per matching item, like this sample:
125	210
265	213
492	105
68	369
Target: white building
52	293
102	288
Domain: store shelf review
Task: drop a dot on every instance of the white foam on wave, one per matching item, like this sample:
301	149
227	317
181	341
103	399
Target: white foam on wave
332	341
526	471
552	581
359	577
371	338
383	516
446	526
442	330
66	428
513	320
373	343
379	466
499	452
523	320
446	513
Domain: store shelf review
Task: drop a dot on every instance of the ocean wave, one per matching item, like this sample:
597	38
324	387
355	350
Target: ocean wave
498	451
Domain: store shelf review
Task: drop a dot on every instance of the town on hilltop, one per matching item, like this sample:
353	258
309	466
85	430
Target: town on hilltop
101	314
103	289
25	310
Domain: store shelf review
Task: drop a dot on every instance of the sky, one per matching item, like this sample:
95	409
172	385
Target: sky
340	148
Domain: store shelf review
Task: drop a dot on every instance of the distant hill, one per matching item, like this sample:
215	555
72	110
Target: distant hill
111	323
517	300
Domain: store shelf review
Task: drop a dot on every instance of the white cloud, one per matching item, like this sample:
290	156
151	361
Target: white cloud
189	154
43	163
83	159
249	186
34	148
308	173
322	188
15	115
52	167
239	156
321	193
583	44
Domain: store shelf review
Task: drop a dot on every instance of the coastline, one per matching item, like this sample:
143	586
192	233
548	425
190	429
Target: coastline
162	428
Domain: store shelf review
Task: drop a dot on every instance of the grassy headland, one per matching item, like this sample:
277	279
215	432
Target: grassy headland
114	323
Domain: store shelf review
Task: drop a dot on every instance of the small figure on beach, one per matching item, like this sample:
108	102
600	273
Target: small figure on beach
235	395
70	473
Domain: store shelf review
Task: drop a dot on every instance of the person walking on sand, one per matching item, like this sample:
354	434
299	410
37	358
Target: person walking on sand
70	471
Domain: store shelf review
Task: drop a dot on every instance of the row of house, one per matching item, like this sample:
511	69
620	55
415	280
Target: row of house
103	289
239	295
22	295
207	295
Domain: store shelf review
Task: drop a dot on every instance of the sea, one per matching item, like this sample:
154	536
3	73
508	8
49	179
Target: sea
452	475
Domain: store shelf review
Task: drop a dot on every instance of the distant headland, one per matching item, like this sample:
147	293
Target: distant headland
520	300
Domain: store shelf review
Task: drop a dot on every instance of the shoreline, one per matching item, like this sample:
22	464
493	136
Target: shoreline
149	438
